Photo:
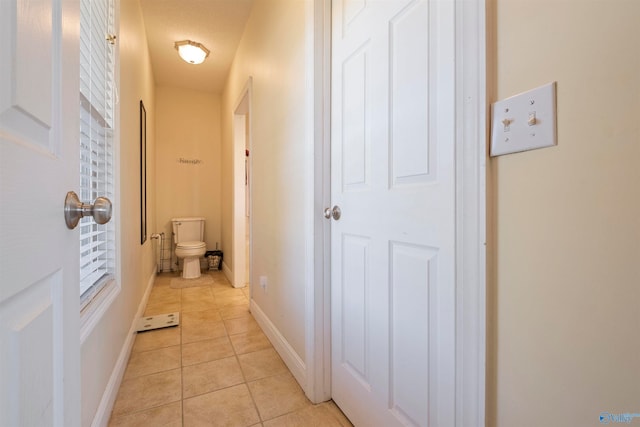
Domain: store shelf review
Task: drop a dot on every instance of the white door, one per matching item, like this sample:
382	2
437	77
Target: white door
39	163
393	177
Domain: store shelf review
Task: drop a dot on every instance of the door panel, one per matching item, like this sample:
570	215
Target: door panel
355	154
29	321
411	146
413	276
39	294
26	102
393	176
355	253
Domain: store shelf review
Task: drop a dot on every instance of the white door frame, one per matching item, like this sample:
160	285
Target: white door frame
241	140
470	120
318	300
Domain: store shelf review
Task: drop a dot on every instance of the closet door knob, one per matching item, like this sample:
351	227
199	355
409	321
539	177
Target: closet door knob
74	210
336	213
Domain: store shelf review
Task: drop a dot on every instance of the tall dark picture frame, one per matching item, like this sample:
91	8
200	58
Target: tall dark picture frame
143	173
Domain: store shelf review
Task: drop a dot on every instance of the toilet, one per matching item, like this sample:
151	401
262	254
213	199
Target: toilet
190	246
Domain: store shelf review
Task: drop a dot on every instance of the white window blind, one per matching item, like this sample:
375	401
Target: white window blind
97	106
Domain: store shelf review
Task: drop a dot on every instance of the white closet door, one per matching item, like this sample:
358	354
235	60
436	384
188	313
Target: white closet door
393	177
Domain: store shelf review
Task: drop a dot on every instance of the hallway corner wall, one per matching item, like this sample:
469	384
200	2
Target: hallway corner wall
273	53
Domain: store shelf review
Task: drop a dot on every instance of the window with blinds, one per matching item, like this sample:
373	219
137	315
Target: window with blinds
97	121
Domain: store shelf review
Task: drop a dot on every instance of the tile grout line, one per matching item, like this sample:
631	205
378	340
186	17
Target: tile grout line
227	335
219	310
244	377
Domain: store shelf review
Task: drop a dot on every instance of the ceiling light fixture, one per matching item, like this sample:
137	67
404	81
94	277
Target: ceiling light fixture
192	52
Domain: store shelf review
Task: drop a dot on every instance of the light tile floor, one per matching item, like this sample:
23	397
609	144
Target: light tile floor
216	369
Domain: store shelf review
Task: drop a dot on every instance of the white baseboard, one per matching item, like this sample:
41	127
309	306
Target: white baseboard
227	272
103	413
295	364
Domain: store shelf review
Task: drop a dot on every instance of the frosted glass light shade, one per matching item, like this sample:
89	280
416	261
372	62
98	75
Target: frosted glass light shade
192	52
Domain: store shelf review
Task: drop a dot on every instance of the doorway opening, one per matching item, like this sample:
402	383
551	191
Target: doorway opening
241	249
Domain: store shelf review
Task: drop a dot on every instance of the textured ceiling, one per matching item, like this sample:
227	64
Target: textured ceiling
217	24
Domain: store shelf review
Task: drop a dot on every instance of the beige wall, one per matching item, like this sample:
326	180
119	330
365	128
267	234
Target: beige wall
188	127
272	51
564	269
101	349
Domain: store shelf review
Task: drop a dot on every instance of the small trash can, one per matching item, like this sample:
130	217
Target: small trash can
214	258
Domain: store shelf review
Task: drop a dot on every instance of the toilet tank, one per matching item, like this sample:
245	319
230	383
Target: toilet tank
188	229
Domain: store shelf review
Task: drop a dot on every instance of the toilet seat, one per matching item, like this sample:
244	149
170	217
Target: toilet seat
191	245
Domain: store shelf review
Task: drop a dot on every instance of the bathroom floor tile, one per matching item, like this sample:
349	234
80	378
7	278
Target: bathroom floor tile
164	279
219	277
277	395
152	361
210	376
201	325
204	330
163	300
232	406
241	325
337	413
220	286
222	302
233	311
158	338
228	293
261	364
312	416
206	351
194	317
249	342
164	294
149	391
197	299
163	416
217	368
162	308
205	304
196	293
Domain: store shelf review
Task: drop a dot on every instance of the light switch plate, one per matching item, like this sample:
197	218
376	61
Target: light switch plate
524	122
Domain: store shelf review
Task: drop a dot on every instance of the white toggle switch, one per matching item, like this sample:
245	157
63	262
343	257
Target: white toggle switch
517	127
